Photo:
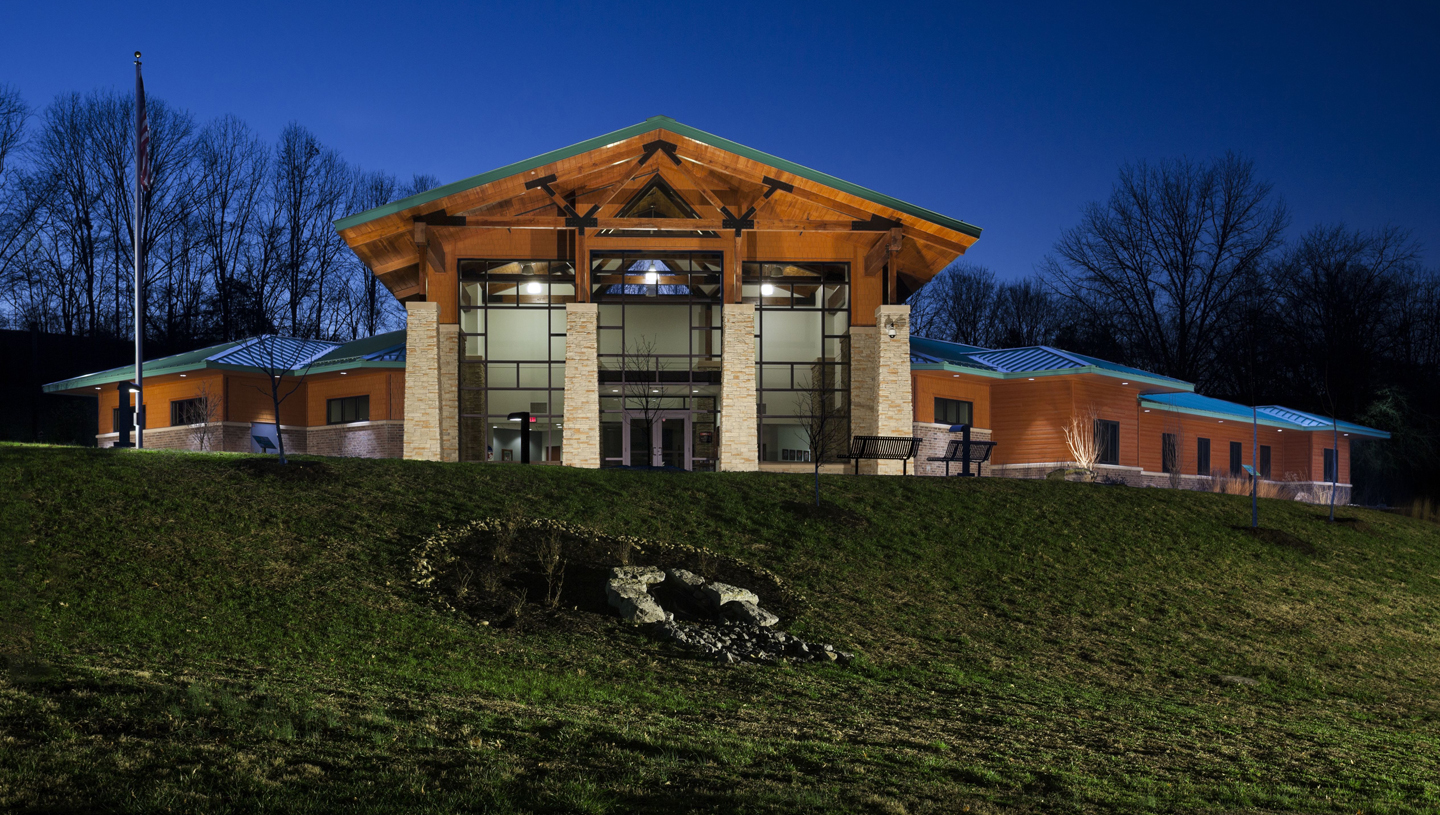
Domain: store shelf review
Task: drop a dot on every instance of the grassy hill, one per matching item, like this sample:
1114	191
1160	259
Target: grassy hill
206	633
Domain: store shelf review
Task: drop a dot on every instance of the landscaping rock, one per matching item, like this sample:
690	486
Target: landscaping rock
722	593
633	602
649	575
747	612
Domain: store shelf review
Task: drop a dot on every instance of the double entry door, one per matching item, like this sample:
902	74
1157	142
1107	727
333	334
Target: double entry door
657	439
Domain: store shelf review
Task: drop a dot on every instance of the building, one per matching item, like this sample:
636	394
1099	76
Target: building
341	399
659	296
1153	430
653	296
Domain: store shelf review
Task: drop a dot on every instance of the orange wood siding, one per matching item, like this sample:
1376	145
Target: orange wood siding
373	383
1295	455
927	386
159	393
396	380
250	400
1115	403
1026	420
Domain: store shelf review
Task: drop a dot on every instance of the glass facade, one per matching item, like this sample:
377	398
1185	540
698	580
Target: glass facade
512	356
802	353
659	357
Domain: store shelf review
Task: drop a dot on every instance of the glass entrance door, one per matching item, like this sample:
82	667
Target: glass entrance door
657	439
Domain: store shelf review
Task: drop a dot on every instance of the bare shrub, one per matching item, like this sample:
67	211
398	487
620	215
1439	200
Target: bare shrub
1080	437
203	420
1223	482
547	554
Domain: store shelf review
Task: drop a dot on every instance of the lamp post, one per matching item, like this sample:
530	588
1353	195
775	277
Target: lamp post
524	418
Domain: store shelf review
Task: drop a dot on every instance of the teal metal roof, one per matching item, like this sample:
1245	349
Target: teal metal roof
380	351
1269	416
1037	360
651	124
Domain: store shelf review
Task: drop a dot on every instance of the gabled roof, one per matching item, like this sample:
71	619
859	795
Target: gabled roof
1036	360
1268	416
380	351
652	124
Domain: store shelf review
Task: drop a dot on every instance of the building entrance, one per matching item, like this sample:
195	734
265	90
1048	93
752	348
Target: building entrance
658	439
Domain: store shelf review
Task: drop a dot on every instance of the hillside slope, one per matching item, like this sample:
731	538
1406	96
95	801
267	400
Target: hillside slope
208	633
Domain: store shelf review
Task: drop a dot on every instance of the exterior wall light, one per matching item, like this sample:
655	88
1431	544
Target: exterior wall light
890	328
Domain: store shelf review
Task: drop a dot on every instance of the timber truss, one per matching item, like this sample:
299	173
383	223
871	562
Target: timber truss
725	196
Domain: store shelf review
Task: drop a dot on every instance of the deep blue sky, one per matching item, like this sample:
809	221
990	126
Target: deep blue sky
1007	116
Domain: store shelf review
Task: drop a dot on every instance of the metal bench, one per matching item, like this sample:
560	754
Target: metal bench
888	448
965	451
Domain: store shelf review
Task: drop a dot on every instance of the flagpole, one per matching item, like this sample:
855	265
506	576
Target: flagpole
139	301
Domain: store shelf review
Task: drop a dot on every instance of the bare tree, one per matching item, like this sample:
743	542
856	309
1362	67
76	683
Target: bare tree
310	186
205	416
1025	314
282	360
1163	260
958	305
231	162
19	201
824	420
641	372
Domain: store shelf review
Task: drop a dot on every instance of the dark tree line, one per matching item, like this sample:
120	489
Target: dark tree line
237	233
1189	270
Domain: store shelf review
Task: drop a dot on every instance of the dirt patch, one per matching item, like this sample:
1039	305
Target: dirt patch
1277	537
270	467
1346	523
826	512
550	574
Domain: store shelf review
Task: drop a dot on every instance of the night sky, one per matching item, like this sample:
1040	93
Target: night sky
1006	116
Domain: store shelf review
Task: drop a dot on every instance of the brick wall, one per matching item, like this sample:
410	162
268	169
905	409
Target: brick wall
739	431
581	438
934	438
383	439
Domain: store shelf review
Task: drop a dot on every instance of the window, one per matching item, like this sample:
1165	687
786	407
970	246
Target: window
1264	461
512	356
187	411
348	409
1202	456
1331	471
802	364
953	411
1107	438
1169	453
1235	458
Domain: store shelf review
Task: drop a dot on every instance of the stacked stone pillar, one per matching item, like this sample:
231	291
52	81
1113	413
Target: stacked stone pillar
447	349
422	382
881	403
581	436
739	439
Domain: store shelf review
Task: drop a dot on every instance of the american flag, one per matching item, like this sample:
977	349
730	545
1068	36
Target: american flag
142	133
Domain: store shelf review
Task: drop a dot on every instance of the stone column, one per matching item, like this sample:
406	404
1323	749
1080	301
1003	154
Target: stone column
581	433
448	349
739	445
881	403
422	381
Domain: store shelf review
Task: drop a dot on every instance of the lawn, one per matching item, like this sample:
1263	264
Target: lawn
210	633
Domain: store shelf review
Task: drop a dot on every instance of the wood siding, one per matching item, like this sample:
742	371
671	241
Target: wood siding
928	385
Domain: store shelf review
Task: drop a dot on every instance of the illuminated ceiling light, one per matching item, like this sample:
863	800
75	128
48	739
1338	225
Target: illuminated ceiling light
652	278
614	390
654	390
533	287
97	387
766	289
1147	410
1345	434
527	269
697	390
1222	421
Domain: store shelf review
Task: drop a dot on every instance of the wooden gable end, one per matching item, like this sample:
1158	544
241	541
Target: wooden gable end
578	199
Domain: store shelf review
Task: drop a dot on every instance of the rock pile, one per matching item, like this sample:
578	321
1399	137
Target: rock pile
727	621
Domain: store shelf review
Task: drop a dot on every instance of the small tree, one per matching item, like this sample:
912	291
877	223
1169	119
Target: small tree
640	370
1081	438
824	421
1172	443
281	358
204	416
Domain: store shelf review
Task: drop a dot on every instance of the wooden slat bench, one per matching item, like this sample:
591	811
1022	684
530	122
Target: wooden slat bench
965	453
888	448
